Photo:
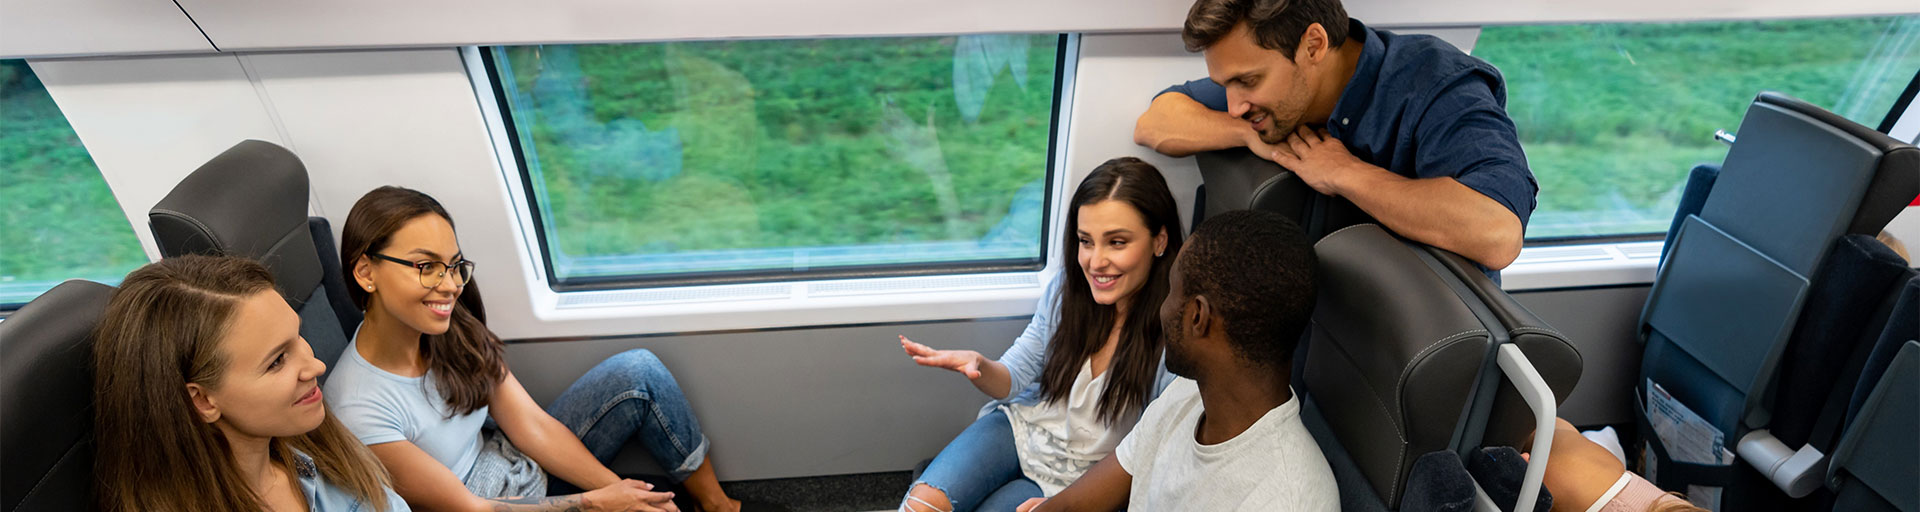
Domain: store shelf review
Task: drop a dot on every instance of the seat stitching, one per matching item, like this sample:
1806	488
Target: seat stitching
1405	371
56	463
1401	461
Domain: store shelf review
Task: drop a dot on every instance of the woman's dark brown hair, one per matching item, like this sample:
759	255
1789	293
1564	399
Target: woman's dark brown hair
1083	325
162	330
467	361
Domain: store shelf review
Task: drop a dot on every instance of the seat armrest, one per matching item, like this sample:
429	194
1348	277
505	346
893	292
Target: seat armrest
1796	472
1539	397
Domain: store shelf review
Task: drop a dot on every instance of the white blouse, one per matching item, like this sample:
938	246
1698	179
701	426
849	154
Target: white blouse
1058	441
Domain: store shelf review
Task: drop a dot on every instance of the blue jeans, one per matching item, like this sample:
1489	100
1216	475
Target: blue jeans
632	396
980	470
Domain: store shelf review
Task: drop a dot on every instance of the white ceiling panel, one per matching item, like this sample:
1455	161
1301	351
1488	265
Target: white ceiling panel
57	28
286	24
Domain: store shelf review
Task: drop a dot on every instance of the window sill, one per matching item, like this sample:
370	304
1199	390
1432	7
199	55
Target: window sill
760	306
1583	266
853	302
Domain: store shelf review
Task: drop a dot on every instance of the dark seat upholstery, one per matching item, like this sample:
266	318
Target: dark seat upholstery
1402	358
1875	465
251	202
1875	460
1692	197
1852	298
46	399
1236	179
1737	275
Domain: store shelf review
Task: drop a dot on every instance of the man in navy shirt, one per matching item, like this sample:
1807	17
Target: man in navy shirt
1407	127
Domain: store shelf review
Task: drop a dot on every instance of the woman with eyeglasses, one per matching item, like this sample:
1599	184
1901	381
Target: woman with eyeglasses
423	375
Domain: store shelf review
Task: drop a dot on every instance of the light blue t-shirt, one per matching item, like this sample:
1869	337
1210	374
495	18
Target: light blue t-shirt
381	407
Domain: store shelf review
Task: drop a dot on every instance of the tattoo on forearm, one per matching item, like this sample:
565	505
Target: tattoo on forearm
574	503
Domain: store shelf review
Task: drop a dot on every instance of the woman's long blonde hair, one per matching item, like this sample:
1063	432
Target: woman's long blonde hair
162	330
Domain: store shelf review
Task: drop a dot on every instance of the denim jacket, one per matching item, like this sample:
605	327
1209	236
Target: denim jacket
324	497
1028	355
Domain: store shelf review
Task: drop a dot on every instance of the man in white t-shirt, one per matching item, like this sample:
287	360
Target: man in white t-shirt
1227	434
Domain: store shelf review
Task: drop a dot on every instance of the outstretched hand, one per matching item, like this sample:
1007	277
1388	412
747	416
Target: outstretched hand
967	362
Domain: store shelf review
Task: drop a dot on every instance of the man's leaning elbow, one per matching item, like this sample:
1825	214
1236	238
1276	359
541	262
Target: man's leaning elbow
1143	135
1501	261
1504	251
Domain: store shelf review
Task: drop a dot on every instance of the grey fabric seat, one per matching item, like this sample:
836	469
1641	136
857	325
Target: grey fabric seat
46	399
1737	274
1402	361
251	201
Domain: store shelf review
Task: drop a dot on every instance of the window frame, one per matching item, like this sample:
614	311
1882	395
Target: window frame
1902	107
1066	57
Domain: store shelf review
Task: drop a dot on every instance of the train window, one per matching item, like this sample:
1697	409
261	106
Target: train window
1612	115
688	162
60	221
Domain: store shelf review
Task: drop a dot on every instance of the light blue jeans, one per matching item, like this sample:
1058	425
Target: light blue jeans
632	396
980	470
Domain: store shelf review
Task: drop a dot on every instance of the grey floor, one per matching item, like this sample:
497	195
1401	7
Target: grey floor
837	493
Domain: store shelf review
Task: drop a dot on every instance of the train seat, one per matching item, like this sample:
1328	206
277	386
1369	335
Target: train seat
1406	356
46	399
1737	275
1236	179
1874	466
1853	296
251	201
1692	197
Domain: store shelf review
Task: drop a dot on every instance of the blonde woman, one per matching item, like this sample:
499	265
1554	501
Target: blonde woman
207	399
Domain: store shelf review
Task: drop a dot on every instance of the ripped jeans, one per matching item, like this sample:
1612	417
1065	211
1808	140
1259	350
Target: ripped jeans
632	396
980	470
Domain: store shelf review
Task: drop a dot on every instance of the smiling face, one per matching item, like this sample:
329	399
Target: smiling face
395	288
270	384
1264	87
1116	250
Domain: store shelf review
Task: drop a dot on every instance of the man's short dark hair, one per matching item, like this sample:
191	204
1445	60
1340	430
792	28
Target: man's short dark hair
1258	272
1276	24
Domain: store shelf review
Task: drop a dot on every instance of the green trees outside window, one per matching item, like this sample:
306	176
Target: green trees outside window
785	155
58	220
1612	115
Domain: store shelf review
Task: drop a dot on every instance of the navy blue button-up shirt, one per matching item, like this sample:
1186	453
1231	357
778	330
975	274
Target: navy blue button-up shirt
1421	108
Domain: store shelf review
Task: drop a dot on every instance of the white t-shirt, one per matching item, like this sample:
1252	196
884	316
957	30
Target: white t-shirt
1273	465
379	406
1058	441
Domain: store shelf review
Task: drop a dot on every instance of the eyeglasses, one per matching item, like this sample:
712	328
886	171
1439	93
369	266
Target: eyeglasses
433	272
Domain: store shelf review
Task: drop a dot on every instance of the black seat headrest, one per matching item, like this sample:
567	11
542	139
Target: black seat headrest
46	399
1397	350
1552	354
250	202
1392	355
1896	181
1237	179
